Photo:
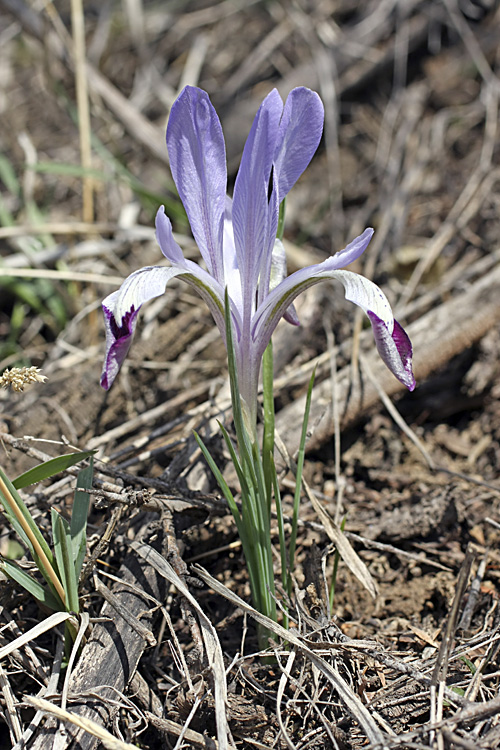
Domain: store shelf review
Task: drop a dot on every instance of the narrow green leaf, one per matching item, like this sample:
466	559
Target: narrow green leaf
285	572
263	529
220	481
241	432
50	468
79	516
244	532
236	461
281	220
68	170
269	421
8	176
298	477
32	586
63	551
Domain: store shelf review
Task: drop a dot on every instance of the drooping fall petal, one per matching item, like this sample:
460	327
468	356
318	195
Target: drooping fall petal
394	348
120	314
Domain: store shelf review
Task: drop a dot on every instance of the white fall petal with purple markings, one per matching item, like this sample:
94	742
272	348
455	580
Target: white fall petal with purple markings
237	238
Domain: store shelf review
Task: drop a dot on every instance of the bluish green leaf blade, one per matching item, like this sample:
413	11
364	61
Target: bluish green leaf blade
50	468
63	550
41	593
8	176
241	432
236	461
269	421
79	516
285	572
298	477
220	481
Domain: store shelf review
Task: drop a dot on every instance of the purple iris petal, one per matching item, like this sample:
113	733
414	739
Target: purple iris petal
279	299
250	202
298	138
237	241
395	349
198	163
353	250
119	338
120	314
165	238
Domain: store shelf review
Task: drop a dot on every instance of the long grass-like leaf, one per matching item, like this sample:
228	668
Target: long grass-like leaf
32	586
298	478
242	478
22	522
285	572
241	432
281	220
269	422
220	481
63	551
20	518
50	468
78	525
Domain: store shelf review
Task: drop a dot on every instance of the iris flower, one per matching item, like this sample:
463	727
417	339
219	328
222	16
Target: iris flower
237	238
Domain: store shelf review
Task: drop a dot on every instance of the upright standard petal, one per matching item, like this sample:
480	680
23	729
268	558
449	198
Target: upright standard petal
298	137
198	163
165	238
250	201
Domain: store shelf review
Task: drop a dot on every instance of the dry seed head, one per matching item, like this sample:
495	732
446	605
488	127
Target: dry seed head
18	377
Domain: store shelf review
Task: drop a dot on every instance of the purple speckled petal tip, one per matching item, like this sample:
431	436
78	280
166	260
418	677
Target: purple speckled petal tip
395	349
120	314
118	340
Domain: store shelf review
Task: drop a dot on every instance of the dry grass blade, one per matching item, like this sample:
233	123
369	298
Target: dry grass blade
78	25
49	689
281	691
50	622
358	710
47	273
211	641
344	548
108	740
438	680
166	725
55	227
10	707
